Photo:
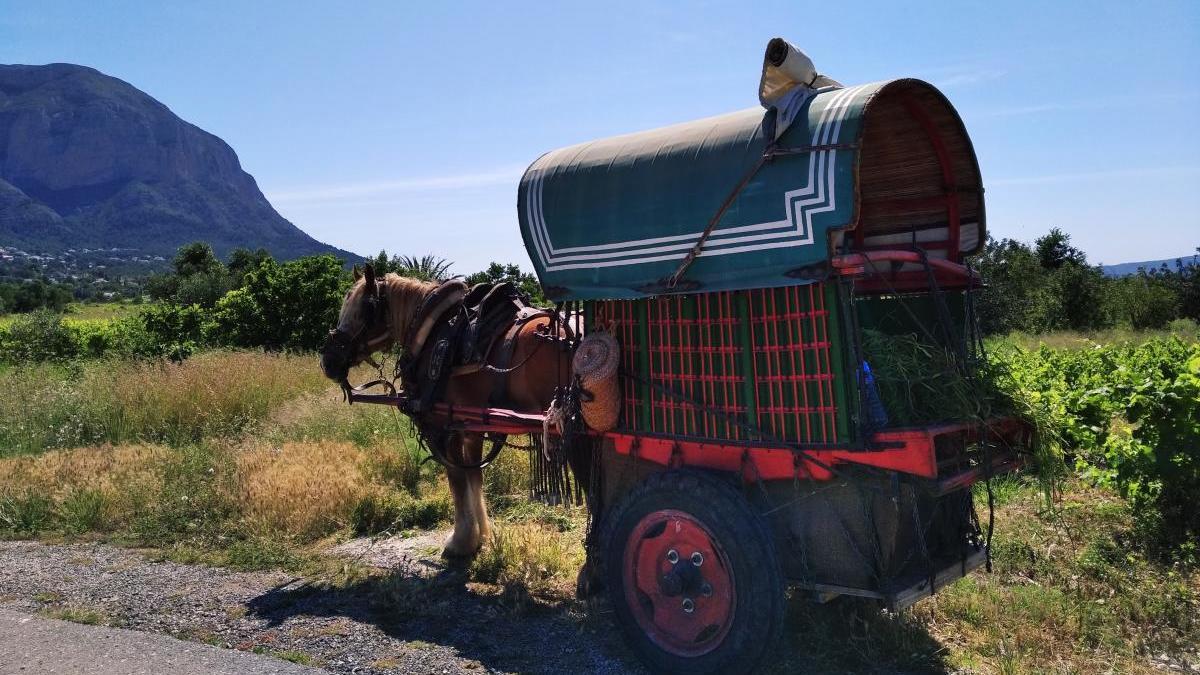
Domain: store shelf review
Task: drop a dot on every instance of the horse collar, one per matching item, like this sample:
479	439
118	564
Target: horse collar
436	303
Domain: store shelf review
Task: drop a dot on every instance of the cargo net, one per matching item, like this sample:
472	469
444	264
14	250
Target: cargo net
873	534
765	355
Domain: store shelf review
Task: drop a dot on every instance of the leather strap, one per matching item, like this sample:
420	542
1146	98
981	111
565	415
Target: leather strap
500	368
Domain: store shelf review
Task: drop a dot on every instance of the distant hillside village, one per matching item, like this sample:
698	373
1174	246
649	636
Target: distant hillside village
82	274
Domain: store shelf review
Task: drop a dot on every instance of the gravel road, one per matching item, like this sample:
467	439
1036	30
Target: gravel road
423	618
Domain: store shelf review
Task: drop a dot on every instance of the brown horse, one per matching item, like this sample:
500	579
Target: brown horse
376	314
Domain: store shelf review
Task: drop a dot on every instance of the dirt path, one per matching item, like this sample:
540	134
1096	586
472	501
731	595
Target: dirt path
422	618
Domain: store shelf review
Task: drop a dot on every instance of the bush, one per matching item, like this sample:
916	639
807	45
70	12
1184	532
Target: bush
38	336
1129	417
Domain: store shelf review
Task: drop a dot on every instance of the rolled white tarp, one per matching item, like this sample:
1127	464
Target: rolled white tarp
788	79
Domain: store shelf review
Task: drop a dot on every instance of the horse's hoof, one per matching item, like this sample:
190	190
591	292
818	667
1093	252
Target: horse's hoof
452	550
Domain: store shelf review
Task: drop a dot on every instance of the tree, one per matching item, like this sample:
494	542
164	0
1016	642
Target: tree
1145	300
497	272
288	305
426	268
242	261
1054	250
1077	293
1049	286
195	258
1013	277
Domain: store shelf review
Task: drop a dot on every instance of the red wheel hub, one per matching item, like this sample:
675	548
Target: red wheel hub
678	583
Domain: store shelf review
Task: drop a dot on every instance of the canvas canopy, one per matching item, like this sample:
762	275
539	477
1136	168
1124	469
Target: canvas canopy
889	162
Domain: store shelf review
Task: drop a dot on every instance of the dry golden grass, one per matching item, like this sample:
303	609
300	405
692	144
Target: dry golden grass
106	468
296	491
306	489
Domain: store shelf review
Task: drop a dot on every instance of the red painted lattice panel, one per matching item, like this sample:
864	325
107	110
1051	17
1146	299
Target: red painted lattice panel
758	355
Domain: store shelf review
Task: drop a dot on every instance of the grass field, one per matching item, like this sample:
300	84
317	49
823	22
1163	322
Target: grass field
252	460
92	312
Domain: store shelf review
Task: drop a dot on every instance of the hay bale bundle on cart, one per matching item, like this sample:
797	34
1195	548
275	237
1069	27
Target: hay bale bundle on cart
744	264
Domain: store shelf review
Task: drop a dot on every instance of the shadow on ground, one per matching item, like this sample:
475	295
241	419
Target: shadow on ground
503	628
509	629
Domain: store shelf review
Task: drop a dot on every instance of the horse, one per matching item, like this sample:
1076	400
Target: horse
376	315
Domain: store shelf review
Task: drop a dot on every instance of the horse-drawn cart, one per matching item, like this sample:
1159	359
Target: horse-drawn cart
739	261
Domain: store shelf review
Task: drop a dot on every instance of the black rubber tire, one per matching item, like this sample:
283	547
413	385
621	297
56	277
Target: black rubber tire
747	542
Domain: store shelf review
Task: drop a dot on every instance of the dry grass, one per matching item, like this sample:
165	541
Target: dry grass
1184	329
211	394
250	459
305	489
297	491
105	468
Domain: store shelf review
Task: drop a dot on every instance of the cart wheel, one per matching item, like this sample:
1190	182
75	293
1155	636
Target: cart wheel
693	575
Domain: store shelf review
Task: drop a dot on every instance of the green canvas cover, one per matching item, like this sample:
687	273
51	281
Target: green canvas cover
615	217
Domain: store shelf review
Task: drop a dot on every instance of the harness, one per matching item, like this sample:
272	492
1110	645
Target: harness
452	333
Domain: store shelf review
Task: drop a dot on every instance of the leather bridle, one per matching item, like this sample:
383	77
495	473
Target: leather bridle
343	346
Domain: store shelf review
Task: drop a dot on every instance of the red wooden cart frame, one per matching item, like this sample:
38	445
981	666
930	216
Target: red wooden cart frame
934	452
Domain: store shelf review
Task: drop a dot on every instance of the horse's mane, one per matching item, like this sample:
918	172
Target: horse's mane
403	294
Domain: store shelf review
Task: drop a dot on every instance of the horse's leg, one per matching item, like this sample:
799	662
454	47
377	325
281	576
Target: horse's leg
473	452
465	539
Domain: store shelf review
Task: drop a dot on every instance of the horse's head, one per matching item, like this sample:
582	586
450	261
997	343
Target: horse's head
364	326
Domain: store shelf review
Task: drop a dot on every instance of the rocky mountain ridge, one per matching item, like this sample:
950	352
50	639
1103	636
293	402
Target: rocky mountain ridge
88	160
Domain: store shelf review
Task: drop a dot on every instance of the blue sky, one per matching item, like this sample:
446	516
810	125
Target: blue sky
406	125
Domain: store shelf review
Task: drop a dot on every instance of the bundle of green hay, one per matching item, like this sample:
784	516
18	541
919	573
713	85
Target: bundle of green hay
920	382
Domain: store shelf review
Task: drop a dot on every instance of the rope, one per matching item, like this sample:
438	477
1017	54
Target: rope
695	251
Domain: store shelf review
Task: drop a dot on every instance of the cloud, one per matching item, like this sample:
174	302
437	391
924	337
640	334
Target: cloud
965	75
377	188
1143	172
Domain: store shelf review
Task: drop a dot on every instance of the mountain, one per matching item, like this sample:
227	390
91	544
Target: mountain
90	161
1123	269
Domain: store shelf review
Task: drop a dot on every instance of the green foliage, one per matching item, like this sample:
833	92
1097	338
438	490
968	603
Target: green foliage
1144	301
38	336
525	281
288	305
426	268
82	511
25	512
253	301
193	502
259	554
398	511
27	296
195	258
173	331
1051	287
1129	417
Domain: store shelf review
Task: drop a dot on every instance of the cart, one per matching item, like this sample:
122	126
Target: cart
739	260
